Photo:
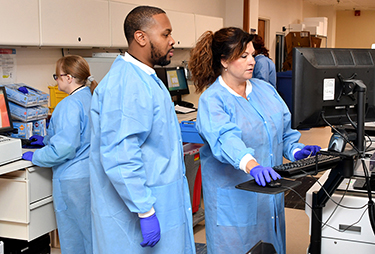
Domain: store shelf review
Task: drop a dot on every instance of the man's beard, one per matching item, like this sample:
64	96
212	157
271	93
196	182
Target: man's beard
157	58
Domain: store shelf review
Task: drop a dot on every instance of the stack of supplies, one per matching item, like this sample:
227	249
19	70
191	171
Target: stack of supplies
28	109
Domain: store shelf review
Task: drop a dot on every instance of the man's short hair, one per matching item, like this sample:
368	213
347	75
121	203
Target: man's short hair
140	18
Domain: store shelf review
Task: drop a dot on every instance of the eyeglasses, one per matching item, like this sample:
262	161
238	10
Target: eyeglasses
55	77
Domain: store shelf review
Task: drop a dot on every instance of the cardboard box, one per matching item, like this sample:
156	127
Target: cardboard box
22	113
297	39
42	96
39	127
25	100
25	130
315	42
288	63
41	111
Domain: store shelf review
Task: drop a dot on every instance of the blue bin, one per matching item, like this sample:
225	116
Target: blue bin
189	133
284	87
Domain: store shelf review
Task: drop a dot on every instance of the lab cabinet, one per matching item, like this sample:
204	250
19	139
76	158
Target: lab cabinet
19	22
117	13
26	203
206	23
183	28
71	23
86	23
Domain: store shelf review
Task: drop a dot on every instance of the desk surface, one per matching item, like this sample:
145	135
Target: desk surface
187	117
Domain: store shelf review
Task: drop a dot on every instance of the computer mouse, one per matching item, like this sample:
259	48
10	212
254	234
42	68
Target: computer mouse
274	183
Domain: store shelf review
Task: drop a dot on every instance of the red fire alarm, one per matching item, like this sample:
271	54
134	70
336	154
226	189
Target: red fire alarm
357	13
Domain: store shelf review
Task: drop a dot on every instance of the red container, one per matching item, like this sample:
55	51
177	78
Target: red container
193	174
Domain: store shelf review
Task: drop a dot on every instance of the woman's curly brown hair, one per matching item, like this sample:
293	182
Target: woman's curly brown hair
205	58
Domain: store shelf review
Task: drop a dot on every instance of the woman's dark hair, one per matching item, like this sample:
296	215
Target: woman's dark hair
205	59
259	47
78	68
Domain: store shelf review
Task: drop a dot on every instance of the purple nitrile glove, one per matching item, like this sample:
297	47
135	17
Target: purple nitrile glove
150	231
28	156
37	140
23	89
306	152
262	174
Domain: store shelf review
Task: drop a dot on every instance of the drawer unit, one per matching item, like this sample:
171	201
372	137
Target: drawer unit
37	179
26	203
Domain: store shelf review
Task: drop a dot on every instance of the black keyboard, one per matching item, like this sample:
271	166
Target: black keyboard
307	165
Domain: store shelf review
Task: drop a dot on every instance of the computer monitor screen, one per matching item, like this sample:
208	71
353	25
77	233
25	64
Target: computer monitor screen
319	84
6	124
175	80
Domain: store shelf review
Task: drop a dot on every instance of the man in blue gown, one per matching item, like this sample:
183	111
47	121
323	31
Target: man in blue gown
140	195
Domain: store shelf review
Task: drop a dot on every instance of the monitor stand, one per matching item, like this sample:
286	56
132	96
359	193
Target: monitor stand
183	103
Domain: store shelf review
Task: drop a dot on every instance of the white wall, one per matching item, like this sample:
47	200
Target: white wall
355	31
233	13
35	66
309	10
279	14
330	13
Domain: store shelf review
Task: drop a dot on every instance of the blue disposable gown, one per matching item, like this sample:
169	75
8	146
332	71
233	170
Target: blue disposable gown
136	163
265	69
66	150
231	127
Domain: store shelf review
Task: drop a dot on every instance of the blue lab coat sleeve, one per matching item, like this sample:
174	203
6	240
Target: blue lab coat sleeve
222	134
62	146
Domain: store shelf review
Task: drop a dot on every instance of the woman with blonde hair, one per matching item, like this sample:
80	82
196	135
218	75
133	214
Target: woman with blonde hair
65	148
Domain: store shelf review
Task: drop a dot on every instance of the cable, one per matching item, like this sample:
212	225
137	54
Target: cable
327	225
347	140
355	127
343	206
370	205
334	210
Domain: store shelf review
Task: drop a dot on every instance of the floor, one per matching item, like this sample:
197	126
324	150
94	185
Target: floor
297	221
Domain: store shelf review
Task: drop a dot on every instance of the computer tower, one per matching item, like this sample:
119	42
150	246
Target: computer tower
40	245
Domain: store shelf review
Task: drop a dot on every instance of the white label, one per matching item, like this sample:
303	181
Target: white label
329	89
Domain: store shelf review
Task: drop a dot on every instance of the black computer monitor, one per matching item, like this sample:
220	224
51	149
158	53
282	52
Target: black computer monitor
6	124
334	87
322	79
174	79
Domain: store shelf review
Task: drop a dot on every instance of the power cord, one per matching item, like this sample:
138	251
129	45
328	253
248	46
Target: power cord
325	223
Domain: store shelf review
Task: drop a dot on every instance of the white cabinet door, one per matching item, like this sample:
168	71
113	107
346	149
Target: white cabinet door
183	28
75	23
206	23
19	22
117	13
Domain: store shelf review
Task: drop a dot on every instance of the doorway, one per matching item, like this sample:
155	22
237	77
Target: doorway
280	52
